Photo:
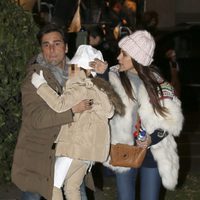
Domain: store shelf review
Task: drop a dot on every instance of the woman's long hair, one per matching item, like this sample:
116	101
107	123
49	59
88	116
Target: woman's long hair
152	85
147	75
127	85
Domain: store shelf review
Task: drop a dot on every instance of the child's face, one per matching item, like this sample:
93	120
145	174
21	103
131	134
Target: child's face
74	70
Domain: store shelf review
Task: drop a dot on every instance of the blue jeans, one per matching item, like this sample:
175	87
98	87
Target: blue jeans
30	196
150	184
126	183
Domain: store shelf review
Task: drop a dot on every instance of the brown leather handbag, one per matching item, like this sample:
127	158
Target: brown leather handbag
124	155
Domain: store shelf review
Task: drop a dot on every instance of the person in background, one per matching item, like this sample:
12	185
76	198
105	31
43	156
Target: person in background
174	70
166	60
34	156
165	56
116	15
149	21
129	9
148	95
87	139
97	39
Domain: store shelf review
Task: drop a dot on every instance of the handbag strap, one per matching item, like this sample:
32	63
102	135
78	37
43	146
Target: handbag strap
137	126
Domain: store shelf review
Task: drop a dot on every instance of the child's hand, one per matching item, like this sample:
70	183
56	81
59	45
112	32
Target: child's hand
38	79
99	66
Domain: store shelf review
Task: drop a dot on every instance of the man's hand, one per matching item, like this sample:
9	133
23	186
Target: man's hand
99	66
82	106
38	79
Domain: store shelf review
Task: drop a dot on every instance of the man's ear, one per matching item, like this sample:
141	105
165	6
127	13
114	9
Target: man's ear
66	48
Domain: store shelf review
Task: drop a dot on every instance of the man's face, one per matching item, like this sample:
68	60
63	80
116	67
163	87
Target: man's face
54	49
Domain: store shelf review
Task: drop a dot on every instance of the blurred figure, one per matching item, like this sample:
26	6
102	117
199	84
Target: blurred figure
43	11
174	70
149	21
96	38
166	58
116	14
123	12
66	12
129	10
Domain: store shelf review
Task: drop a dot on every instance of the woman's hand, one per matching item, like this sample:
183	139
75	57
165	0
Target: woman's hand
144	144
99	66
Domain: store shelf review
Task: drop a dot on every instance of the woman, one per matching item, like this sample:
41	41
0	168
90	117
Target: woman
145	92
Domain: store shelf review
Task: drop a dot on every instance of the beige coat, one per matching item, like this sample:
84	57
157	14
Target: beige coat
33	162
88	137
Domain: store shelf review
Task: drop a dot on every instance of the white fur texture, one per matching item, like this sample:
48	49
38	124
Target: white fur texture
122	128
165	152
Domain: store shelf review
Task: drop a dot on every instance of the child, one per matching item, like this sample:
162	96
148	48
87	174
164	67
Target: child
87	139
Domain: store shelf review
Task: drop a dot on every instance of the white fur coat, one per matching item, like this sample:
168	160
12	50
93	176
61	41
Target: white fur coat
164	152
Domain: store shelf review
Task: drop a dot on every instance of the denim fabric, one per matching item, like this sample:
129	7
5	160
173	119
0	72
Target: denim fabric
30	196
126	183
150	184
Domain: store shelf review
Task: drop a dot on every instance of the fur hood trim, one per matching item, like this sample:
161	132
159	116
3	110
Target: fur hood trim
114	98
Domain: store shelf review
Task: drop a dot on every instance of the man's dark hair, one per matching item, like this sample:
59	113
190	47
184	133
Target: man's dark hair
51	27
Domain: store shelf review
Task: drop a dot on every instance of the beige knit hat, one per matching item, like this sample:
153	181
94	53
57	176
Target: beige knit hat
140	46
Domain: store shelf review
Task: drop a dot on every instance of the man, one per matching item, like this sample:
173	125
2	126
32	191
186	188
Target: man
33	163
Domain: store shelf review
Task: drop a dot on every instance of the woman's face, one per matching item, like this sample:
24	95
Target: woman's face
125	61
